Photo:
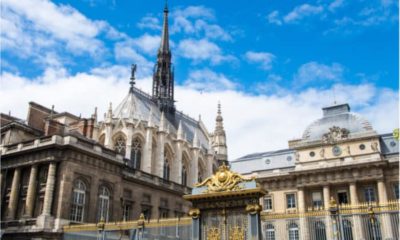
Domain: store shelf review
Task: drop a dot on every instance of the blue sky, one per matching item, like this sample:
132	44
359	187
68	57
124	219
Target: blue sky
290	58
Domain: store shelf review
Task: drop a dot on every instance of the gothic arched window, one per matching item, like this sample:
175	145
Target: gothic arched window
78	201
136	153
166	169
120	145
184	175
104	204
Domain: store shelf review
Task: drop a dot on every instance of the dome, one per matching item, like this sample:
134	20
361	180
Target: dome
337	116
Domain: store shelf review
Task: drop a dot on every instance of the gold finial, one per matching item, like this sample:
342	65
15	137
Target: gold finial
396	134
332	202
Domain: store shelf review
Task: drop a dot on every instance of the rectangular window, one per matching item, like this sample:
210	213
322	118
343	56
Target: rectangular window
396	190
268	203
317	199
291	200
127	212
369	194
342	197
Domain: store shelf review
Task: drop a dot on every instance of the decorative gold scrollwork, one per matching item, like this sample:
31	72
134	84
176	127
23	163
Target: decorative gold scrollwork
236	233
253	208
223	180
194	213
213	234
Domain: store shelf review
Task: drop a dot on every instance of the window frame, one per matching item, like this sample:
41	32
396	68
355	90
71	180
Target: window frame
78	192
287	200
368	195
270	197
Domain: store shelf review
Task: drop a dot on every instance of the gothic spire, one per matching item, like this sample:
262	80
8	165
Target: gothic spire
165	34
163	77
219	138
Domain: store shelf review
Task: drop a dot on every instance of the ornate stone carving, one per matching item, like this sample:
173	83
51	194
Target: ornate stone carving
374	146
223	180
335	134
322	152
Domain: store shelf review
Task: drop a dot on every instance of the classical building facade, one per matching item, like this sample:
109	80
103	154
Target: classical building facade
339	159
58	168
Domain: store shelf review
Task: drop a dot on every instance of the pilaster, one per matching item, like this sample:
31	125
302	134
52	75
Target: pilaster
13	201
48	196
31	194
387	230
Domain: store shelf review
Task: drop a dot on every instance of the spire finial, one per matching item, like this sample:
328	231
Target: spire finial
166	6
219	108
133	72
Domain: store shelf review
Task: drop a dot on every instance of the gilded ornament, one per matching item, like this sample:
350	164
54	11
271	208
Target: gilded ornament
223	180
332	202
194	213
396	134
253	208
213	234
236	233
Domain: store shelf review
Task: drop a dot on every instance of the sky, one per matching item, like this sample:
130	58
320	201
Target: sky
271	64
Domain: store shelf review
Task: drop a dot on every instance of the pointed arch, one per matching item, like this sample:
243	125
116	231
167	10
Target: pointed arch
185	174
119	142
168	161
137	151
201	170
102	139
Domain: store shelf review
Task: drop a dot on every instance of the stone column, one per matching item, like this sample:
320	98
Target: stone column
31	194
358	232
328	220
353	193
176	171
108	136
147	150
128	146
195	166
387	230
13	201
48	195
160	154
303	220
1	184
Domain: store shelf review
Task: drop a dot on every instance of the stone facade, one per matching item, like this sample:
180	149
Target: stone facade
58	168
340	157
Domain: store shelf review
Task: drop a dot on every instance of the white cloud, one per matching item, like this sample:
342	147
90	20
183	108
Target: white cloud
253	123
127	53
265	59
195	20
202	50
335	5
148	43
314	72
150	23
273	17
301	12
46	19
208	80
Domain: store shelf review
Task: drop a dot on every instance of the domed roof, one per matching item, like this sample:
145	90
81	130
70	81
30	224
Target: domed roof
337	116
